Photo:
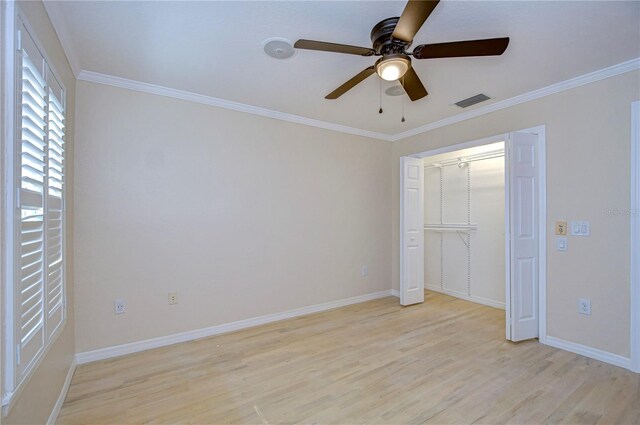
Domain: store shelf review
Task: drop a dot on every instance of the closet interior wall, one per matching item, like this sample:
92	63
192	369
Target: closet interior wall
464	224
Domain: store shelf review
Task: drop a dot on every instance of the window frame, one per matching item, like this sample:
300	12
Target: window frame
16	22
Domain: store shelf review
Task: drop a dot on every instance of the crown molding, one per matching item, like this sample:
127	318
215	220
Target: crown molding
110	80
56	16
572	83
60	27
621	68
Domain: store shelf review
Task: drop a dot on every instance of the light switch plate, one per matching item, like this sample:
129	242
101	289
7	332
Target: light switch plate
580	228
562	244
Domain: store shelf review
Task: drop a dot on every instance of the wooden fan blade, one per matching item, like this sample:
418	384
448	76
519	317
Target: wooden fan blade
457	49
333	47
351	83
412	85
412	18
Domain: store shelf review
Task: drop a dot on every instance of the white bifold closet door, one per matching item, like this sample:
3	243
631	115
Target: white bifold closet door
468	264
524	183
411	231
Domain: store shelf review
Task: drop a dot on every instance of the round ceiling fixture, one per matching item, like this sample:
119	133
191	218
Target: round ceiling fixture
278	48
393	67
395	91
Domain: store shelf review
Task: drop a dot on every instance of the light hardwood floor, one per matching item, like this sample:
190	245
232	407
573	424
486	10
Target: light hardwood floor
445	361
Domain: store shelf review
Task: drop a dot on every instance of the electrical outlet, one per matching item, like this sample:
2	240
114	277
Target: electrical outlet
584	306
364	271
118	306
173	298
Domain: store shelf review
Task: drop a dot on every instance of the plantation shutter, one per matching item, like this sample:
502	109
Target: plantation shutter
55	289
30	293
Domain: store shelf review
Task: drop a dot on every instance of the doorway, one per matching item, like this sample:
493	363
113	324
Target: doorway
520	156
464	224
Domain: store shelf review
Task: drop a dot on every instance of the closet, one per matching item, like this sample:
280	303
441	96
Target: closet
464	239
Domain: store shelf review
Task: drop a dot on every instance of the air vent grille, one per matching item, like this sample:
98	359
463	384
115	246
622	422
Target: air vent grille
472	100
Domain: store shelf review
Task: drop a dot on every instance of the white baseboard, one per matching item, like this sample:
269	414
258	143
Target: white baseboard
395	293
63	394
472	298
593	353
134	347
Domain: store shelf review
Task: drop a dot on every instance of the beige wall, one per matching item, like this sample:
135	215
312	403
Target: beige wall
228	208
241	215
588	169
35	403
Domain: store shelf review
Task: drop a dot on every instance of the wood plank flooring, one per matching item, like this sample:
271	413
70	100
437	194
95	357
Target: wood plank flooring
443	362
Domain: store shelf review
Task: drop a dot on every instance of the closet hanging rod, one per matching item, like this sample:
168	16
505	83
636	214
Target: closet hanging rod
449	227
464	159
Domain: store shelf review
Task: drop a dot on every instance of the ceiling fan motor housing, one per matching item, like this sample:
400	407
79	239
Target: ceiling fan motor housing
383	44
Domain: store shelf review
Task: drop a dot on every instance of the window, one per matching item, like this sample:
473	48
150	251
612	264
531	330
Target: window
36	297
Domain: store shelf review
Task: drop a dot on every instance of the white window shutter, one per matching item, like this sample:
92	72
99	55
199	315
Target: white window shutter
30	292
37	306
55	246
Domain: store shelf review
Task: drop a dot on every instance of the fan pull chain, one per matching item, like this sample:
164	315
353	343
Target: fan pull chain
380	111
402	120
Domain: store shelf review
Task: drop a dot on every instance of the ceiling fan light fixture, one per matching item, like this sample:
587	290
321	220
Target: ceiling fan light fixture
393	67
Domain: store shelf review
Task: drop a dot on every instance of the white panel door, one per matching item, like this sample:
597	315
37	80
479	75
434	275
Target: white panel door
523	185
412	231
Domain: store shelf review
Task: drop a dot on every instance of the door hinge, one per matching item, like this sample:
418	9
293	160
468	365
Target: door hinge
19	40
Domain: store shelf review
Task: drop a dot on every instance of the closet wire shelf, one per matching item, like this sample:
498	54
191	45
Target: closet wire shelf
464	160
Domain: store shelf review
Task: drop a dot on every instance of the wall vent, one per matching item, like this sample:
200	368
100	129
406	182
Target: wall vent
472	100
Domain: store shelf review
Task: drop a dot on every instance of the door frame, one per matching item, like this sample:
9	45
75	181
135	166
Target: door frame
634	248
539	131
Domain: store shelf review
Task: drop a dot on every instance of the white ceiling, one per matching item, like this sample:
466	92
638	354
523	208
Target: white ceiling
214	49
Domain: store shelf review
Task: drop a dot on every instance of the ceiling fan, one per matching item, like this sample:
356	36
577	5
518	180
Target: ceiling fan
392	37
